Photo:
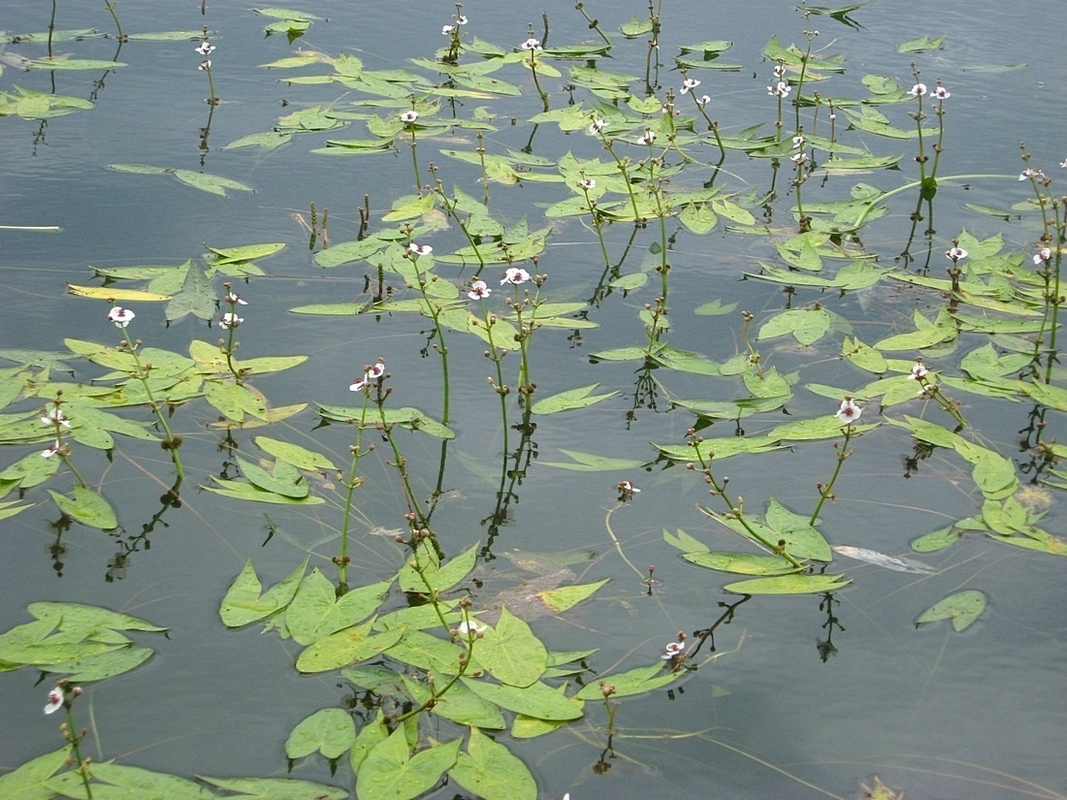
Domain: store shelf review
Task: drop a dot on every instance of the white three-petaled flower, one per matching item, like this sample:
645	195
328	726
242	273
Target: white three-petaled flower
479	291
370	376
956	253
515	275
56	416
471	628
409	116
120	316
597	126
674	649
531	44
55	701
230	320
780	89
205	49
689	84
918	372
918	90
849	411
420	249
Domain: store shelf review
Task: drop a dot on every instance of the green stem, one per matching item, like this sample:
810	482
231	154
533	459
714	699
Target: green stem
171	442
118	25
737	513
828	490
75	743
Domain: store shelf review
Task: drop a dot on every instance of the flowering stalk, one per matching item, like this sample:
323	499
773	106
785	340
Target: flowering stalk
1049	257
467	633
516	276
655	186
533	46
753	355
451	205
480	291
800	159
206	49
409	118
58	420
452	31
597	129
118	25
737	510
433	307
229	321
702	104
804	61
63	696
587	185
122	317
374	377
848	413
593	23
930	389
779	90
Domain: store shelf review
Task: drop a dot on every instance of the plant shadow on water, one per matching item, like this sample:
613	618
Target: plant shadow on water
701	426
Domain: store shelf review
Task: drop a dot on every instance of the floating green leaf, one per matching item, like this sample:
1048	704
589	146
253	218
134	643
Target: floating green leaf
345	647
790	584
388	773
317	611
741	563
298	456
511	653
27	782
588	462
490	771
330	731
277	788
243	603
631	682
536	700
87	507
570	399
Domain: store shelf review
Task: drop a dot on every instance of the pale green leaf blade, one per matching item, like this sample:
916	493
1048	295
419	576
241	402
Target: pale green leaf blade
298	456
511	653
277	788
741	563
87	507
789	584
536	700
330	731
348	646
27	782
490	771
388	774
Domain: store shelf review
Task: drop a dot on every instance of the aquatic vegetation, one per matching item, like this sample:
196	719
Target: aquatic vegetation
450	674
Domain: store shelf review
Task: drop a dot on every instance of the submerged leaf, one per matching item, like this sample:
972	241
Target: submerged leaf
963	608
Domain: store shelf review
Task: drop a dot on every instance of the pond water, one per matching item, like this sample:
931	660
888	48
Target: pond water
823	691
